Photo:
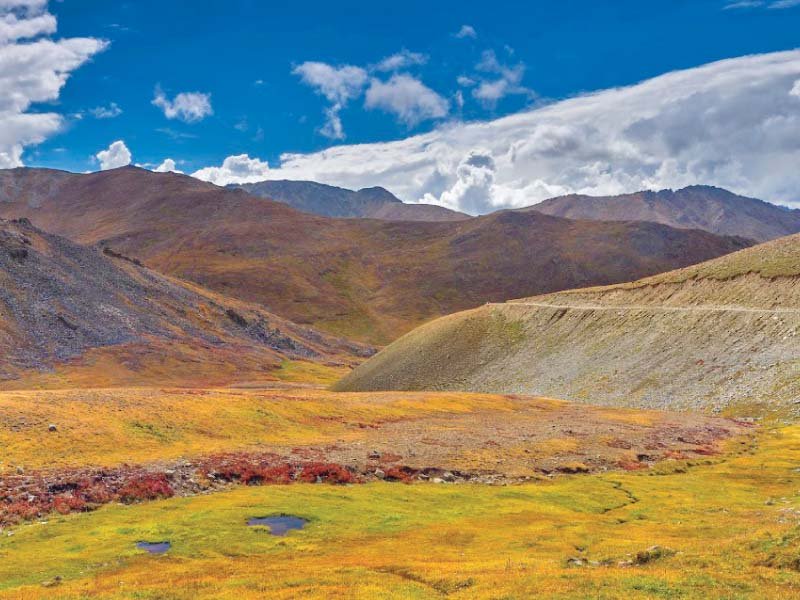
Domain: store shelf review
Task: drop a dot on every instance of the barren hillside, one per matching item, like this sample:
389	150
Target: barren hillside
722	334
61	303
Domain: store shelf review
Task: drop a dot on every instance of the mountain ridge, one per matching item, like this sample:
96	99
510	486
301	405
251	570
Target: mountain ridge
697	207
332	201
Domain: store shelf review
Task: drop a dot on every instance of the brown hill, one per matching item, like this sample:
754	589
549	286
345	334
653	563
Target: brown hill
362	278
331	201
696	207
722	335
60	301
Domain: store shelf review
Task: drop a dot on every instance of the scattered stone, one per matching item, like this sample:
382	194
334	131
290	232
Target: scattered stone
20	470
575	562
52	582
52	427
651	554
374	455
380	474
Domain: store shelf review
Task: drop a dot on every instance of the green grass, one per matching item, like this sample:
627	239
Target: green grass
733	525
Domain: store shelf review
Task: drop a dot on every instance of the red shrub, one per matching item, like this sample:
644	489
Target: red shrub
403	474
147	487
67	503
327	472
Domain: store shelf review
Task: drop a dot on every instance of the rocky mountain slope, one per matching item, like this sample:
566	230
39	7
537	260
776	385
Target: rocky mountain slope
331	201
719	335
60	301
696	207
361	278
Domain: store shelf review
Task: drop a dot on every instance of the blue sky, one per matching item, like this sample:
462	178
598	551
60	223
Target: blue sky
246	60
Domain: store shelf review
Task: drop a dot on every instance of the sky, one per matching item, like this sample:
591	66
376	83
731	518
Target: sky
454	103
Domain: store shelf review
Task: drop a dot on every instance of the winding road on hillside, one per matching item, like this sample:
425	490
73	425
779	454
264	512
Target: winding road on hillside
591	307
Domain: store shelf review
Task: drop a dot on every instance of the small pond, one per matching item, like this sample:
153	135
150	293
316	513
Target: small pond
154	547
278	525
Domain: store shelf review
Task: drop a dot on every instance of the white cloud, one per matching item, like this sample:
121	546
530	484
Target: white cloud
779	4
733	123
507	82
33	69
117	155
466	31
168	166
106	112
774	5
410	100
235	169
795	91
338	85
744	4
401	60
465	81
189	107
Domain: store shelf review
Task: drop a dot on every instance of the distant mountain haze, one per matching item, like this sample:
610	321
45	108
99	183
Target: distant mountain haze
365	279
331	201
698	207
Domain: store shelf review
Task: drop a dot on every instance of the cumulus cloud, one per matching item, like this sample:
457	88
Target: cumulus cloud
734	123
106	112
235	169
115	156
168	166
33	69
410	100
506	80
466	31
338	85
189	107
473	189
401	60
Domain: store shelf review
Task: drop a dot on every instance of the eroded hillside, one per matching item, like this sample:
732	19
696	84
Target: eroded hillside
61	303
723	334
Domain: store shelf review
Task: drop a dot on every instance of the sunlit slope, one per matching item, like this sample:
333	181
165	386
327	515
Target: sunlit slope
716	335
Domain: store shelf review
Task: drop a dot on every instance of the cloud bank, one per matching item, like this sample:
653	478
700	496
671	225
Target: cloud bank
733	123
33	69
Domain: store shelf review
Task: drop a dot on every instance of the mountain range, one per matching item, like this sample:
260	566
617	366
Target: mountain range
696	207
331	201
365	279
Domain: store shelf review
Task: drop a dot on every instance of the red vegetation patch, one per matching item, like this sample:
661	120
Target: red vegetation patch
149	487
402	474
325	472
26	497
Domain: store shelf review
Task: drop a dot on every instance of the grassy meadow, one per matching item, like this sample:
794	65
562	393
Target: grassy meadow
726	529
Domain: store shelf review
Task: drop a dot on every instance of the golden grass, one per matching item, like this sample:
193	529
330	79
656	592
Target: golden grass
731	524
134	425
